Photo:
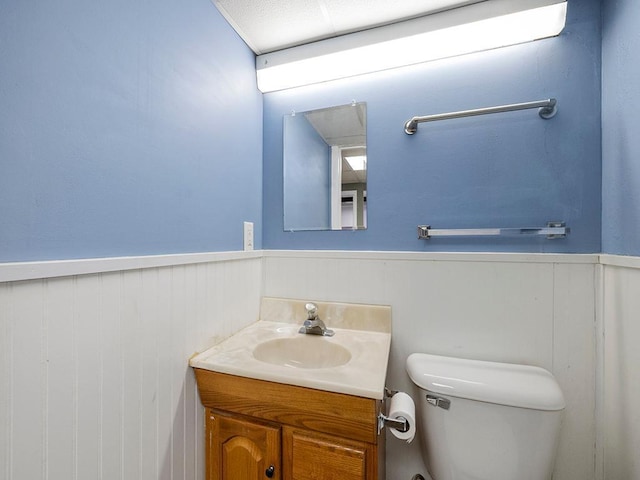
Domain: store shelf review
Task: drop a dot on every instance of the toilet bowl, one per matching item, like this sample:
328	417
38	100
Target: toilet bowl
485	420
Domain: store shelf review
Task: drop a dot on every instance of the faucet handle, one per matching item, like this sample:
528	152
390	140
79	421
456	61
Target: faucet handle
312	311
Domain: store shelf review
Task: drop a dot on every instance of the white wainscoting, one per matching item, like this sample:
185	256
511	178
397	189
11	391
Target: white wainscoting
621	368
94	381
531	309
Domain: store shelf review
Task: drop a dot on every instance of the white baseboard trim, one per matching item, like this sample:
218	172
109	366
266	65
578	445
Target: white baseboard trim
503	257
13	272
18	271
620	261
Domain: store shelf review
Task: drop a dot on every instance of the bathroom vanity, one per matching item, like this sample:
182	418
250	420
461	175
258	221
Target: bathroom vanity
258	429
284	405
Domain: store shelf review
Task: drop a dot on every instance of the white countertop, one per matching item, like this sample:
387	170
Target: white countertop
363	375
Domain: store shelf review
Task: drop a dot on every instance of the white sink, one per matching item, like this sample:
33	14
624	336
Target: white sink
353	361
303	351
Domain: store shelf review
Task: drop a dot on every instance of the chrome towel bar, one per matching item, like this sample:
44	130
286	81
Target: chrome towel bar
546	109
551	231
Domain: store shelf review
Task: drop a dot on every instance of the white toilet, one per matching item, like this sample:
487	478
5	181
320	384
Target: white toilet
485	420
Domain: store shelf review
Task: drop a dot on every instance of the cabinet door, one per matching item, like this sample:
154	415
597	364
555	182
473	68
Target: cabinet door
241	450
309	455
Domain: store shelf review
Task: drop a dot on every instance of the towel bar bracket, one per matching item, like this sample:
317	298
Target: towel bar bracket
550	111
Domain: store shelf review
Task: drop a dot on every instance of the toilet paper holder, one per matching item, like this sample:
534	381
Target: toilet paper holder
399	423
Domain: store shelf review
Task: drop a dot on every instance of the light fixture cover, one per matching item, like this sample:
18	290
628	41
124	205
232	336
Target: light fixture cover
481	26
357	162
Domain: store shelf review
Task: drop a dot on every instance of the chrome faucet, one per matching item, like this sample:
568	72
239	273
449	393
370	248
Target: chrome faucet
313	325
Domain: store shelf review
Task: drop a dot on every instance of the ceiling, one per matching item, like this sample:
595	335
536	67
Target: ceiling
270	25
343	126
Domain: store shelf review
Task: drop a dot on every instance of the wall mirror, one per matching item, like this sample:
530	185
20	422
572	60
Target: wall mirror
325	169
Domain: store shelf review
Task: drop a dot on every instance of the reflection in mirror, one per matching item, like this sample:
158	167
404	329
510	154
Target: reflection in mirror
325	169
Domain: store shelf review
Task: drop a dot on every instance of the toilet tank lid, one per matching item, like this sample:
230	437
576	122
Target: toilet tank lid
501	383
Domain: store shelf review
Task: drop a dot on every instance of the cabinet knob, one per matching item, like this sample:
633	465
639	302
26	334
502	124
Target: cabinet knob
270	471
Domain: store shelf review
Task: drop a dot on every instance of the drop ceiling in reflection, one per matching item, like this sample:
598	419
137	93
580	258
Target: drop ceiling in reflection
271	25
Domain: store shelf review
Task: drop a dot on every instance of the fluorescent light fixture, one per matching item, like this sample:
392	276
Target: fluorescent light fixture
358	162
472	28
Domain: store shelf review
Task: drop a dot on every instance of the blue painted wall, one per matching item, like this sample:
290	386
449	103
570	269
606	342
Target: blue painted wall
510	169
126	128
620	127
307	176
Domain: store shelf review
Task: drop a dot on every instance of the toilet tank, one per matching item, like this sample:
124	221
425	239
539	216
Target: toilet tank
485	420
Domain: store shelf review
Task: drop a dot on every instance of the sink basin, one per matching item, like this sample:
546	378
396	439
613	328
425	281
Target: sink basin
304	351
353	361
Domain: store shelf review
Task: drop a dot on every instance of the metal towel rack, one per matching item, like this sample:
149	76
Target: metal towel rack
546	109
553	230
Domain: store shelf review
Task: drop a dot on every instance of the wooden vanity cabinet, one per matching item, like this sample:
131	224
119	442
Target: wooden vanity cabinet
310	455
305	434
238	449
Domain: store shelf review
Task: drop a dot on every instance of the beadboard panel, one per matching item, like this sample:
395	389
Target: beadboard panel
93	370
94	376
574	366
621	358
5	382
531	312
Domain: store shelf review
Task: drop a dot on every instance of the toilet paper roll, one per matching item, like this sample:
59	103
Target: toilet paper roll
402	406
